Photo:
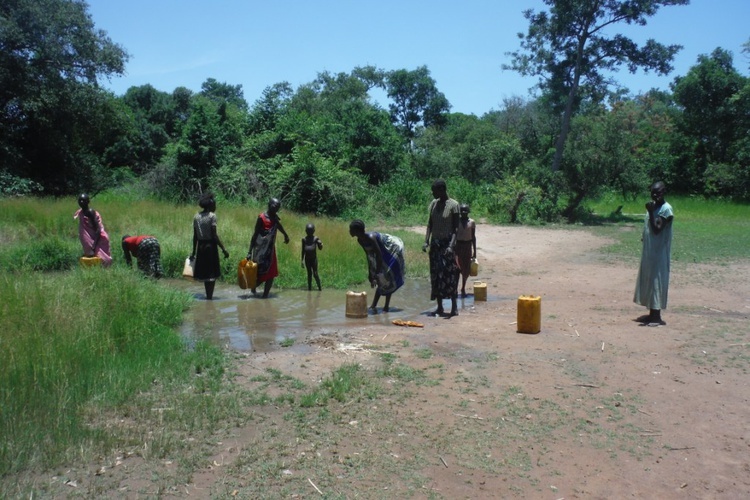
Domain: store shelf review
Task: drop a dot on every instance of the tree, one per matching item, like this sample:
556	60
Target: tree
714	121
569	49
224	92
51	58
416	100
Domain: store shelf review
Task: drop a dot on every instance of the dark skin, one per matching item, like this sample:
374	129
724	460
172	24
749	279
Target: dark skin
271	212
209	285
369	244
310	245
463	220
83	202
657	224
441	193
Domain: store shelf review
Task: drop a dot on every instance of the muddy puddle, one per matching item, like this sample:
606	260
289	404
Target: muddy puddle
241	321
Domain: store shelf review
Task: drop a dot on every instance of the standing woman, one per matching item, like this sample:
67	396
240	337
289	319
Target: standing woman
442	226
206	244
263	245
466	245
94	238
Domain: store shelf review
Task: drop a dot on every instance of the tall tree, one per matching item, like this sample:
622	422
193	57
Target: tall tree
51	57
416	100
570	49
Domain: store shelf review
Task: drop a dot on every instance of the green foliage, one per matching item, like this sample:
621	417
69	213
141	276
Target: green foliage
52	113
97	338
416	100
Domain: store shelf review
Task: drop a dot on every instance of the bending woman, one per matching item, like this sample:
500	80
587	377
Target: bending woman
385	262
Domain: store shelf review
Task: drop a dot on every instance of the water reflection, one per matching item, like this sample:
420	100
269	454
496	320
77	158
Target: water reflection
241	321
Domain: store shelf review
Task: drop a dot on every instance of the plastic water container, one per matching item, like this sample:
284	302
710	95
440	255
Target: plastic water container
529	318
356	304
90	261
480	291
474	268
187	269
247	274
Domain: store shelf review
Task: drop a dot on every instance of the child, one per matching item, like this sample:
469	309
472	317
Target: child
310	245
466	244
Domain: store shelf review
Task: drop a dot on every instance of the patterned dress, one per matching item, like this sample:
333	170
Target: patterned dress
264	252
87	234
391	250
443	269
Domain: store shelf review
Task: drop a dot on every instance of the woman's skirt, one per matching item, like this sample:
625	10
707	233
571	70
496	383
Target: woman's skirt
207	267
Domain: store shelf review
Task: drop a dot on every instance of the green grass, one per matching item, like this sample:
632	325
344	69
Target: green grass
40	234
705	231
77	344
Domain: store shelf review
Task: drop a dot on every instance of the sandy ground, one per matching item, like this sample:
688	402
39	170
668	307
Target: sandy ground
685	384
594	406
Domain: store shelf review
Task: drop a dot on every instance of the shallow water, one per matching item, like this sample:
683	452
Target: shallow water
237	319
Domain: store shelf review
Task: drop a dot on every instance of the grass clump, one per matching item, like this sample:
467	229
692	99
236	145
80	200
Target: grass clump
80	344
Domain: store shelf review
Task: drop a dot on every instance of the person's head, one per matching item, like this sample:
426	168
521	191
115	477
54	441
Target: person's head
274	205
83	200
439	189
207	202
464	210
356	227
310	229
658	190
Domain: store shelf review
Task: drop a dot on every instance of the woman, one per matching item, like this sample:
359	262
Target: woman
148	252
206	244
466	245
94	238
385	262
440	238
263	245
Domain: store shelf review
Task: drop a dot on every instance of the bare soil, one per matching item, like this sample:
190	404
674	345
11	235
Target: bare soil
594	406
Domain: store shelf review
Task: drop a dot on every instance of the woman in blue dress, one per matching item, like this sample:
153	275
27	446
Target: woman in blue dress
385	262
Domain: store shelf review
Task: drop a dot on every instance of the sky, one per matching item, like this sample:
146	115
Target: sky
257	43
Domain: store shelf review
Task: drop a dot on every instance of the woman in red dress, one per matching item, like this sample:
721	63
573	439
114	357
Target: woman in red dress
263	245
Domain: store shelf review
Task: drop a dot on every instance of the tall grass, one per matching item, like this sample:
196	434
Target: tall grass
70	340
40	234
706	231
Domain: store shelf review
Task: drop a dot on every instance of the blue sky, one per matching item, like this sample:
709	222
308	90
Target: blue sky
257	43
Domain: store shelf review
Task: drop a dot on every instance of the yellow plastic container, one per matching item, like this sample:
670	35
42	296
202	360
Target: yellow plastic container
474	268
480	291
529	318
90	261
356	304
247	274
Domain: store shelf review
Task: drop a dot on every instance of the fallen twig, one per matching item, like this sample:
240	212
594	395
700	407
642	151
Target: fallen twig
645	413
313	485
587	385
577	334
680	449
468	416
742	344
444	462
602	346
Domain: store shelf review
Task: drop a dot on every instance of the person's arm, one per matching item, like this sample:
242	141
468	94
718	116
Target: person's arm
215	236
474	240
281	229
454	233
195	243
95	219
302	257
319	243
429	231
126	251
656	221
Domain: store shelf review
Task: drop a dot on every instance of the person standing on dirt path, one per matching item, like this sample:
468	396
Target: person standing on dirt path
652	284
440	238
310	246
466	244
